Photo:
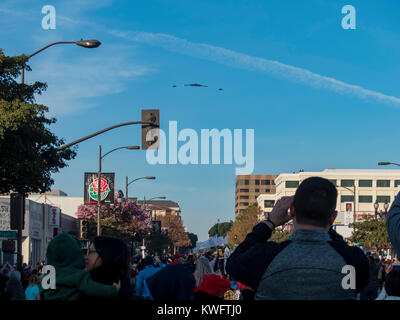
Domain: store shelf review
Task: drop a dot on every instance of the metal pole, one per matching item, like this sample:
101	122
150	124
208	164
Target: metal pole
355	203
19	231
99	193
126	188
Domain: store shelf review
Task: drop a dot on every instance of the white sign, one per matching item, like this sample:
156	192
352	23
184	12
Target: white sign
4	215
35	220
349	213
54	217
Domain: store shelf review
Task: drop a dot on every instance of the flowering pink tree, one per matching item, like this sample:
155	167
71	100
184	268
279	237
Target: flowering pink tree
125	220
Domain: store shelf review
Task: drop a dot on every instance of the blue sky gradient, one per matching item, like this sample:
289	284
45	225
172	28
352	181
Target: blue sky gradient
300	122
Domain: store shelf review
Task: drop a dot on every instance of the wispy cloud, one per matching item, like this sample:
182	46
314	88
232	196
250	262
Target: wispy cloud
247	62
84	82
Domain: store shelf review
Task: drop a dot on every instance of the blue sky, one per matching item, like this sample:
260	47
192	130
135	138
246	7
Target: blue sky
304	107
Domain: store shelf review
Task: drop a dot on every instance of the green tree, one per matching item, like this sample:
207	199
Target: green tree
193	239
279	235
29	152
244	224
176	230
157	242
220	229
371	233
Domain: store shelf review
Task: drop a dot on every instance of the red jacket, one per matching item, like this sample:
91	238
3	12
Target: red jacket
214	284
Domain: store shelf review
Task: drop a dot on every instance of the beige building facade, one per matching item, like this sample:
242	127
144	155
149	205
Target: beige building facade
359	191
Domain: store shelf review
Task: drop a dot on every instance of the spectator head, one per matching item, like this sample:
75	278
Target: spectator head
174	282
33	279
314	203
392	282
203	268
113	259
148	261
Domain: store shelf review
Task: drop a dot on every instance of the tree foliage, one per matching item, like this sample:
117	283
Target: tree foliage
176	231
193	239
157	242
29	152
244	224
279	235
123	220
371	233
220	229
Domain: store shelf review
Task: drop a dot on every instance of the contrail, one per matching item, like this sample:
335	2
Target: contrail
243	61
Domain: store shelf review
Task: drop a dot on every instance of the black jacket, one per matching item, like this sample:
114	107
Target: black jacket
251	259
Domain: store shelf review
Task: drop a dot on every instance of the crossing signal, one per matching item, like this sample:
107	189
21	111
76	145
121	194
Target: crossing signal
83	228
151	132
17	211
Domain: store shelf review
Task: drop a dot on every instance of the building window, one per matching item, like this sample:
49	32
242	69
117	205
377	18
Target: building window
243	204
244	190
347	183
347	199
244	182
365	199
273	182
382	199
267	190
269	203
396	183
243	197
257	190
257	182
333	182
291	184
383	183
265	182
365	183
241	211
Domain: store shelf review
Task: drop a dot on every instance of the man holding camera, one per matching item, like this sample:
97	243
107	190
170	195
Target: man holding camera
313	264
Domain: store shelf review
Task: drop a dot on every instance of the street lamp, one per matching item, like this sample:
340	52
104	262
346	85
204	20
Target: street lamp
376	206
381	213
387	163
99	180
127	184
82	43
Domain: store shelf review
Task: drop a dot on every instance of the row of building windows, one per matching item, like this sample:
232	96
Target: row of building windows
255	182
350	183
365	199
254	190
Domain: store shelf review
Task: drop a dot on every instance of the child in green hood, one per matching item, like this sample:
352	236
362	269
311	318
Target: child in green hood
72	280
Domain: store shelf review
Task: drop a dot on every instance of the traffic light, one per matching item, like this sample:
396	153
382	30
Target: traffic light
151	132
17	211
83	228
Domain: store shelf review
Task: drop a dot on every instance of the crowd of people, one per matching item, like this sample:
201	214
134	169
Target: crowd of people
307	266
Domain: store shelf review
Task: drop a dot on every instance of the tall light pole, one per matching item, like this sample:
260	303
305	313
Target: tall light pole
99	180
127	184
82	43
145	209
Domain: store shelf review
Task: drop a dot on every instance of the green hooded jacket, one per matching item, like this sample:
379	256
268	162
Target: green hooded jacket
64	254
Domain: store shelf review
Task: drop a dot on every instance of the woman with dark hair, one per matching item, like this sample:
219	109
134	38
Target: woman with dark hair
108	262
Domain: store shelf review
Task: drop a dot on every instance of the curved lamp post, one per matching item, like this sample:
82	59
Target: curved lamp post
127	184
387	163
82	43
99	180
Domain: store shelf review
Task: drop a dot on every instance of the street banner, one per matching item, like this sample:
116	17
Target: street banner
106	186
349	213
54	217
